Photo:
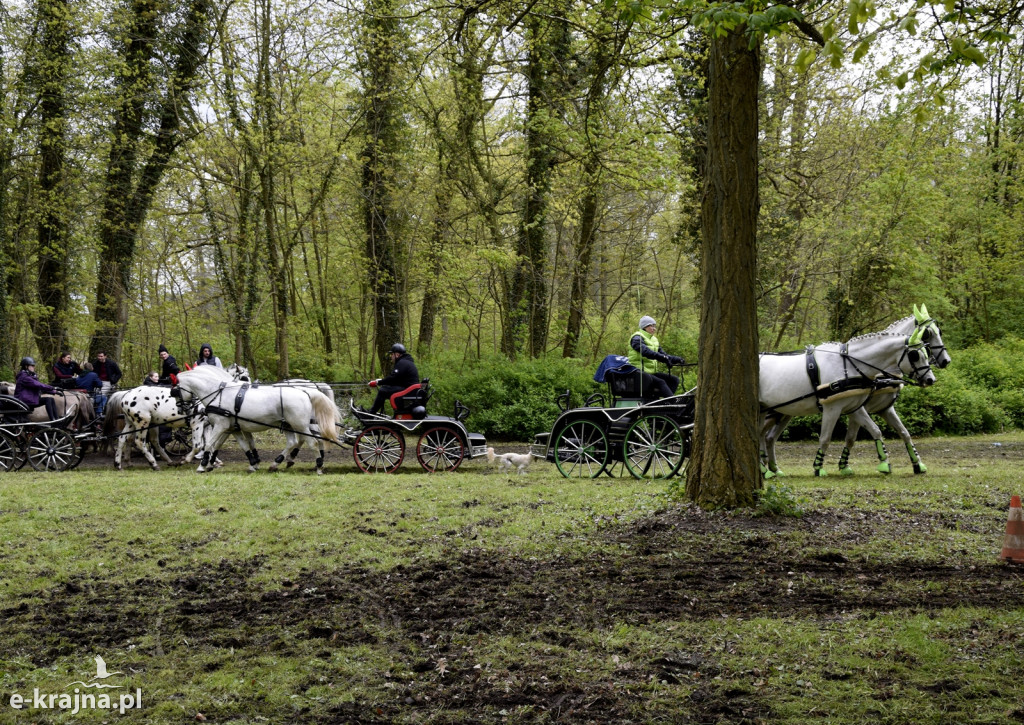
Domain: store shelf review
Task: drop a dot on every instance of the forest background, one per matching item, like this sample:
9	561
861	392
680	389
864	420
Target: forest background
504	187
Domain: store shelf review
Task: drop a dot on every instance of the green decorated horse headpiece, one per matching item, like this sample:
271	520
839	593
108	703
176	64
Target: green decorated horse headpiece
924	321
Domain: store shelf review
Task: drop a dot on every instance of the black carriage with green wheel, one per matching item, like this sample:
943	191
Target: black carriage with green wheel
442	442
46	446
624	433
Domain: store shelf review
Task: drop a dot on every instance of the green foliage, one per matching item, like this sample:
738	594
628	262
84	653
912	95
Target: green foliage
777	499
509	400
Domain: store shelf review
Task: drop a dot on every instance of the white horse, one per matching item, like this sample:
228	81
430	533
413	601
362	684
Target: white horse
145	409
838	378
883	400
246	408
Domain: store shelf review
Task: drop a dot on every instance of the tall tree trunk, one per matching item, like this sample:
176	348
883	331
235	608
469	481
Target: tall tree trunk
54	216
130	181
6	153
724	469
548	57
382	121
435	256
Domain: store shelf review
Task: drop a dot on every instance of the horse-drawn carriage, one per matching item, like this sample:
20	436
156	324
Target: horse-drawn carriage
443	442
649	438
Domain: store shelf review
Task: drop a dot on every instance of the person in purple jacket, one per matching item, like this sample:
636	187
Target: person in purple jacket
27	388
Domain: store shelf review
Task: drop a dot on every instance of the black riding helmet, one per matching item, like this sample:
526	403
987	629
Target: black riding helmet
26	361
399	348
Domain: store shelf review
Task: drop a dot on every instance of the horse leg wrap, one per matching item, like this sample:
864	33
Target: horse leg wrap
919	466
206	459
883	457
249	457
765	473
819	462
320	462
256	457
279	459
844	463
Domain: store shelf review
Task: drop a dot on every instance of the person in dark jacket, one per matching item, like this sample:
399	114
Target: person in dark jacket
108	371
645	353
65	370
170	366
153	378
403	375
206	357
28	387
90	382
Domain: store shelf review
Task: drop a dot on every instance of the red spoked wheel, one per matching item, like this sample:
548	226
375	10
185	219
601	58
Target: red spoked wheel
440	449
378	449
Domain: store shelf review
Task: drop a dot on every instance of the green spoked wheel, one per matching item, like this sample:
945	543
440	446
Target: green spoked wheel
654	447
581	450
12	457
440	449
378	449
51	449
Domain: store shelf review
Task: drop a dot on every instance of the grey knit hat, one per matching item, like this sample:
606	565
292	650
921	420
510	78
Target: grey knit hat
646	321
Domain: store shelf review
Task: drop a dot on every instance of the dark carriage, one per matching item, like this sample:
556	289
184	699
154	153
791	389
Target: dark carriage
443	441
46	446
648	438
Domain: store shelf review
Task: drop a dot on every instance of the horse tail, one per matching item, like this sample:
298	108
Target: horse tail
326	414
113	412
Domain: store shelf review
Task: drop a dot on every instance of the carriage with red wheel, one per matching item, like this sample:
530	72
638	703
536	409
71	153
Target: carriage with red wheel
442	442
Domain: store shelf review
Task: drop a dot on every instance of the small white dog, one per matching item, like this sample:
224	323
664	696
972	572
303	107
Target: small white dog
506	461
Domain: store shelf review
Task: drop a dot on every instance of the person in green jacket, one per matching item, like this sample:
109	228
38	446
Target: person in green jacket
645	353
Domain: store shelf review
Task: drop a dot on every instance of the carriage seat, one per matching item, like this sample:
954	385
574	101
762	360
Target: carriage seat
415	396
13	410
625	387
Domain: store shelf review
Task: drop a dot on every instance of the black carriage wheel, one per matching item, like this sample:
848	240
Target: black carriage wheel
78	457
654	447
12	457
51	449
581	450
440	449
180	443
378	449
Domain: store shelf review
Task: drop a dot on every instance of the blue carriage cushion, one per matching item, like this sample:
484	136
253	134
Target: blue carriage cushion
617	363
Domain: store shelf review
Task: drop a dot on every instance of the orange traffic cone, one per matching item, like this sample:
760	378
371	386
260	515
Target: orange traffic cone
1013	544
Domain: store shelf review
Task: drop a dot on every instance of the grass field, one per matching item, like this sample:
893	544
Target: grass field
476	597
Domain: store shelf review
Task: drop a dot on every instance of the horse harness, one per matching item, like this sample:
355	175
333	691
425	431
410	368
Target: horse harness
862	383
243	389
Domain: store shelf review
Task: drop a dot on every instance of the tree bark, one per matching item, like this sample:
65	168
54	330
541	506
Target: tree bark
724	471
54	217
381	112
130	182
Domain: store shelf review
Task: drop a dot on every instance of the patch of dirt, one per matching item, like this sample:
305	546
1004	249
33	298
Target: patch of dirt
678	565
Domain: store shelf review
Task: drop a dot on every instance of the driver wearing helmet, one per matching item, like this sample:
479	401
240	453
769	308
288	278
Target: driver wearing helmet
27	388
403	375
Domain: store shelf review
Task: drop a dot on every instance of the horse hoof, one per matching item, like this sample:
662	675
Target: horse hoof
769	475
884	469
920	468
820	472
273	467
253	469
846	471
289	464
200	469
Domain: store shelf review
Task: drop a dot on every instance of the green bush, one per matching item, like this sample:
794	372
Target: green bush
509	400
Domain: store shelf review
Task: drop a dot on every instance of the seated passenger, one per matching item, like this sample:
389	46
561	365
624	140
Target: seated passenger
645	353
404	375
65	370
27	389
90	382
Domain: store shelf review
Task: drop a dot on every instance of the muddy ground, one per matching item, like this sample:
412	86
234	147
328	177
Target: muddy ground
676	566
